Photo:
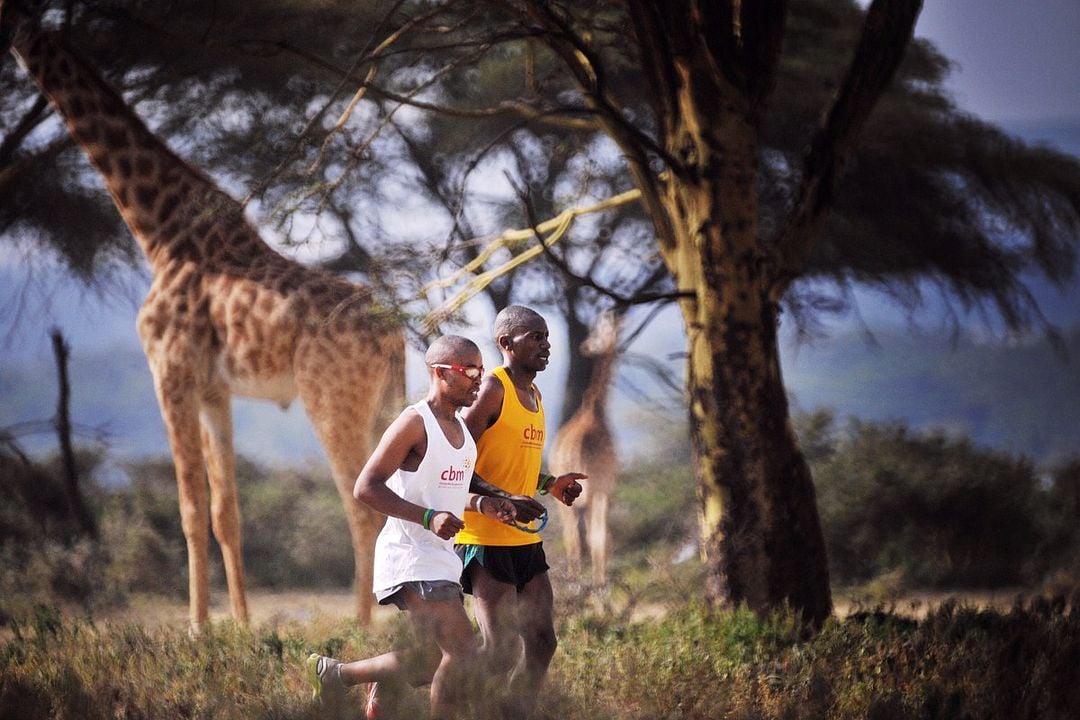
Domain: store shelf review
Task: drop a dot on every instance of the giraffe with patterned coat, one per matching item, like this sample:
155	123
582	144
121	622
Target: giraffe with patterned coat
585	443
226	315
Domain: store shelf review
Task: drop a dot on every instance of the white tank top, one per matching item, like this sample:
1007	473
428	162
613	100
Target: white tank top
405	551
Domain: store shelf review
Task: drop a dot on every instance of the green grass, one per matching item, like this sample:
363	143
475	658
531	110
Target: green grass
958	662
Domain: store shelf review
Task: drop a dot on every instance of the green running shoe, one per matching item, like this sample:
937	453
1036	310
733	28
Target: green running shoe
324	674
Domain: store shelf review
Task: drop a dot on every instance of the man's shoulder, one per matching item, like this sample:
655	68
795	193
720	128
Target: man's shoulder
492	382
408	423
487	407
491	392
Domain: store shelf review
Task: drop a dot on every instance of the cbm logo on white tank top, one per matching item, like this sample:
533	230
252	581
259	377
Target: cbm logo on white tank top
452	476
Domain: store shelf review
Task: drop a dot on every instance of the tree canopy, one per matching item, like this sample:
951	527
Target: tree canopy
250	93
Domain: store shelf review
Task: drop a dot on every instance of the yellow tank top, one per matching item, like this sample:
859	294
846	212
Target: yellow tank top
508	455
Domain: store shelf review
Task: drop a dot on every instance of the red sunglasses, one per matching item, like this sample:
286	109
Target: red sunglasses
469	371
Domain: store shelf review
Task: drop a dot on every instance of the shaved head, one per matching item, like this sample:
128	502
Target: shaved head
451	350
513	317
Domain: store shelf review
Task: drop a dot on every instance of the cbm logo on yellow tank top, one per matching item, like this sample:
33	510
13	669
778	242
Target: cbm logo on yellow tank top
532	437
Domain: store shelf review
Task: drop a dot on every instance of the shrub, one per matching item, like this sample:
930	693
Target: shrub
294	528
294	531
933	510
43	553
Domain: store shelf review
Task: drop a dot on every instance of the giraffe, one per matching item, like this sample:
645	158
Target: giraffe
584	444
225	315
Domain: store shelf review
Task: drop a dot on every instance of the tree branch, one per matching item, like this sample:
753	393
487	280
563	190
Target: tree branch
637	298
647	20
588	72
555	228
886	33
564	117
761	27
30	120
12	173
62	423
635	144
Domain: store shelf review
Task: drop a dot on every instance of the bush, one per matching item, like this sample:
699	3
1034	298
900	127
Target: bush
654	507
1062	527
932	510
43	551
141	528
294	530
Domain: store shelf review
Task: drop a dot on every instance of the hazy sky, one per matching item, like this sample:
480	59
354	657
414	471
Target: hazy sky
1017	60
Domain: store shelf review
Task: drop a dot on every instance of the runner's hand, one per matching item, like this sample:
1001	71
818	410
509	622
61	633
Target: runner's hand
527	508
497	508
566	487
445	524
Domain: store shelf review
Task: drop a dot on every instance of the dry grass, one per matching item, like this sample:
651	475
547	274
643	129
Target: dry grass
917	605
267	607
957	661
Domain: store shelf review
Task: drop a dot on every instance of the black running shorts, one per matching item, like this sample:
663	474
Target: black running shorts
512	564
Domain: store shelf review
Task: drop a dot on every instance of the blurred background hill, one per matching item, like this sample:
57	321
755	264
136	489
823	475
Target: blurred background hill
1022	398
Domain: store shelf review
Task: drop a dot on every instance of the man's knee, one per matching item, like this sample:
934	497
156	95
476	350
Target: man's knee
541	641
459	646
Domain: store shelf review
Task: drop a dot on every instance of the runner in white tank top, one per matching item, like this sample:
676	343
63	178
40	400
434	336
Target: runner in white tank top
406	551
419	477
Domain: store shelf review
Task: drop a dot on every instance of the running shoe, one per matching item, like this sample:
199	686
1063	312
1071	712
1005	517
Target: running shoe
324	674
371	708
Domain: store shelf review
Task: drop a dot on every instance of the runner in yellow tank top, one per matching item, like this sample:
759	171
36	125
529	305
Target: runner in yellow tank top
505	569
508	456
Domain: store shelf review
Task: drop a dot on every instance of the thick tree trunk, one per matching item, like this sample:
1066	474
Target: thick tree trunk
761	539
709	70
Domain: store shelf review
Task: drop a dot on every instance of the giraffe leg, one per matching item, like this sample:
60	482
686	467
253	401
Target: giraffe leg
596	527
343	416
572	538
346	461
180	415
364	527
217	447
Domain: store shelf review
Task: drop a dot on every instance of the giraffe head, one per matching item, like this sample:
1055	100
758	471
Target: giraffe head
17	17
13	13
7	27
603	336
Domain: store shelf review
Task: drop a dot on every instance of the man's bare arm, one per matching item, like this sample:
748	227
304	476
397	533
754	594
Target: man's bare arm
406	436
480	486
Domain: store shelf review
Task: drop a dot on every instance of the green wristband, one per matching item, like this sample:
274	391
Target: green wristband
545	480
427	518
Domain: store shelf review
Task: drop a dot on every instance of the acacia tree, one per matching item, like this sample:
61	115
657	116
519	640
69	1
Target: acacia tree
709	70
738	216
696	160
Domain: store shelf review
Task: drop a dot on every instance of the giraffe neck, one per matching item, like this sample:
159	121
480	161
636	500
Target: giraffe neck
594	398
170	207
